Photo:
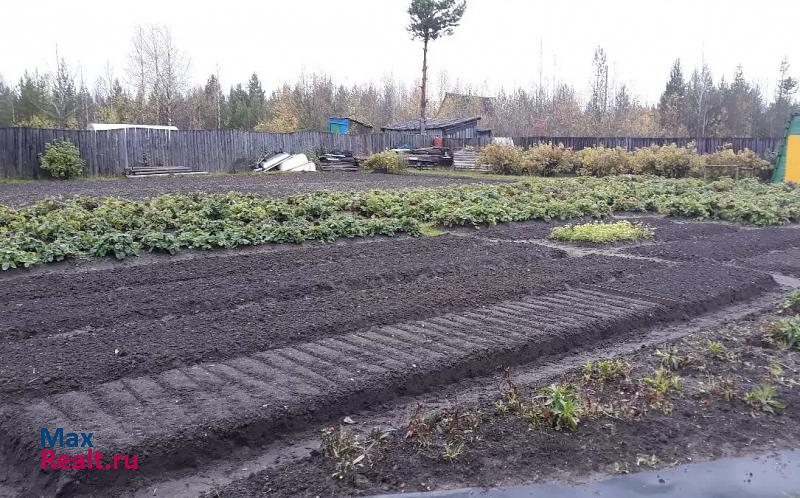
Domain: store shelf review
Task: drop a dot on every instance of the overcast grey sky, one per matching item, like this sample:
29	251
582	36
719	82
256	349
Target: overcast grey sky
497	44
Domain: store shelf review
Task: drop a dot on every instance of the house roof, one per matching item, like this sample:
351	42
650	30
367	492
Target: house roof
430	123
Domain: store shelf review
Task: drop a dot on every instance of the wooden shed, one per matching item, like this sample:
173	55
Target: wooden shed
443	127
348	126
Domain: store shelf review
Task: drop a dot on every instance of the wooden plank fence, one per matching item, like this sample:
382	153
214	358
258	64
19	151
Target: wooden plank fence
110	152
761	146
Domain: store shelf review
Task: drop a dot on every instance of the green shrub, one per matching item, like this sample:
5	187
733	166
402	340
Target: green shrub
605	161
606	370
712	166
786	332
502	159
670	161
548	160
602	232
62	160
388	160
563	406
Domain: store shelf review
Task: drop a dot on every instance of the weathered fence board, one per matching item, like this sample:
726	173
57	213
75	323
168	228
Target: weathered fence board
110	152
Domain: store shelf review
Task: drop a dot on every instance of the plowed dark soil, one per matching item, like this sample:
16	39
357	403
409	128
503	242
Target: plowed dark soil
665	229
726	246
170	314
242	345
503	449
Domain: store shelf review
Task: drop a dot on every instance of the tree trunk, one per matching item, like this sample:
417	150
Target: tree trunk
422	101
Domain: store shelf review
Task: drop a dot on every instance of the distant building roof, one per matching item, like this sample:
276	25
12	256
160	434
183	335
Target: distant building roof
460	104
430	123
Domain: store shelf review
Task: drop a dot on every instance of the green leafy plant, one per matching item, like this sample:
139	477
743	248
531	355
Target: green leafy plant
606	370
13	257
791	303
785	332
602	232
670	358
561	407
763	398
120	245
389	161
62	160
343	447
662	381
452	450
717	350
51	230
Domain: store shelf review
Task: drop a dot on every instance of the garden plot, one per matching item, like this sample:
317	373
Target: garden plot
724	390
276	185
148	353
194	359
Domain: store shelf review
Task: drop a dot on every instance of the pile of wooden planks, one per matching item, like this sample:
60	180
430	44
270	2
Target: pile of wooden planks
145	171
338	161
468	159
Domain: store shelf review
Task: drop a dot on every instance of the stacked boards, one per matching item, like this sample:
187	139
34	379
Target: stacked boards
787	166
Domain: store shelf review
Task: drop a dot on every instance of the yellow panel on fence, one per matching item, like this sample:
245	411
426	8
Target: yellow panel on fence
793	159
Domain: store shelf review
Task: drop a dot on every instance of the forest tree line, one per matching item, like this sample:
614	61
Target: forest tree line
155	88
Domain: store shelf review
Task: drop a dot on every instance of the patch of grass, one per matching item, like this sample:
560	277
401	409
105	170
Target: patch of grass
785	332
14	181
722	387
620	468
670	358
763	398
428	230
457	173
662	381
791	303
602	232
457	421
452	450
660	385
718	351
647	460
510	401
343	447
605	371
420	428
